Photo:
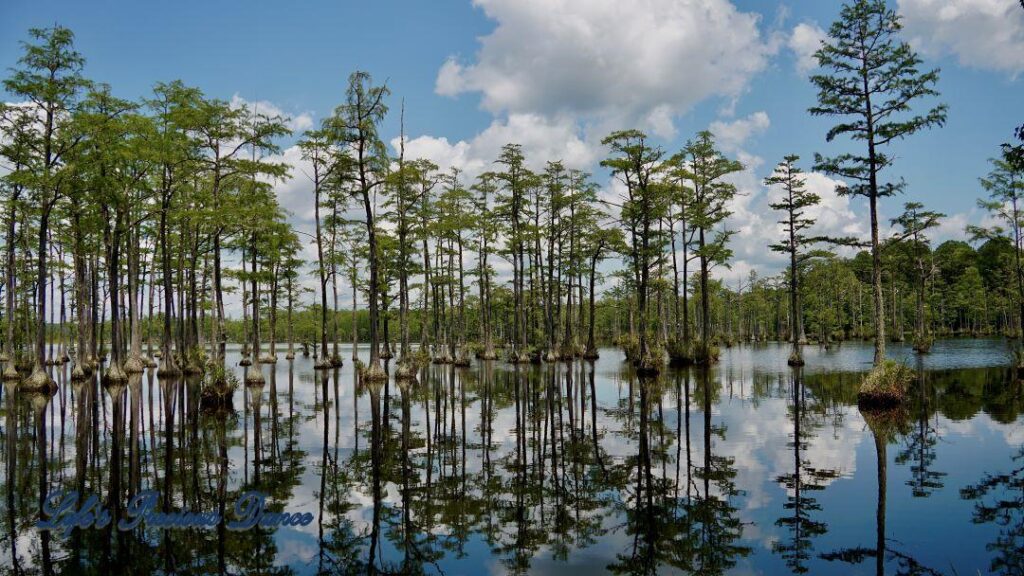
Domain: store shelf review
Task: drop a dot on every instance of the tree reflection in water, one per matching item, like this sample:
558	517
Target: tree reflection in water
516	468
999	499
799	521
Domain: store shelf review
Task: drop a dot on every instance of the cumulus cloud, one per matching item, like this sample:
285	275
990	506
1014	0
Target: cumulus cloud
296	122
804	41
623	64
541	137
985	34
732	135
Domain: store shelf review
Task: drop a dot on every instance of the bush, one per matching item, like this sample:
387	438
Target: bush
923	344
631	346
218	388
885	385
705	354
653	361
679	352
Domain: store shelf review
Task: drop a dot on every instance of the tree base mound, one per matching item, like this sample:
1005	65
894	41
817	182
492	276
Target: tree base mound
406	371
705	354
168	371
115	376
679	354
591	354
336	361
652	362
246	361
216	401
134	365
11	373
885	386
268	359
372	374
192	368
254	377
39	382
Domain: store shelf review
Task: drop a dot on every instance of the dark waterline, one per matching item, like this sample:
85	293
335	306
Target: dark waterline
783	474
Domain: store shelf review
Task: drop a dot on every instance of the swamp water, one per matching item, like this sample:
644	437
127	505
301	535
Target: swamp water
750	467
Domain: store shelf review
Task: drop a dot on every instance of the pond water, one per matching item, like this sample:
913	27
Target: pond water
750	467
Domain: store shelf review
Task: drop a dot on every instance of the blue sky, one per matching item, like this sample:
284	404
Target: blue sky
556	75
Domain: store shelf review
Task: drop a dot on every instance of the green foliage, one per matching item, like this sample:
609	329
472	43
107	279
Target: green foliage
886	384
870	79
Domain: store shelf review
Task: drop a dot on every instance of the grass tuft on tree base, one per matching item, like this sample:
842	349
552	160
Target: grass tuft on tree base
885	385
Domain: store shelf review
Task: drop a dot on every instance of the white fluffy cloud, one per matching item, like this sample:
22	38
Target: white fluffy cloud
621	64
804	41
296	122
542	138
732	135
757	225
981	33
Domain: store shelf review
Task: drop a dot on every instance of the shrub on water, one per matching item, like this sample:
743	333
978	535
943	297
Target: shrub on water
631	346
705	353
886	384
923	344
680	353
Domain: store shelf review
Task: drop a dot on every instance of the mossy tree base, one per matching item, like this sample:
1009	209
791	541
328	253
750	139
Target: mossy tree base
254	377
168	370
885	386
134	365
407	370
115	376
11	373
922	345
372	374
39	381
192	369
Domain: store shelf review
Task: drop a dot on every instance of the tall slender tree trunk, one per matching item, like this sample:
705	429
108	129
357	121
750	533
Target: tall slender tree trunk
9	371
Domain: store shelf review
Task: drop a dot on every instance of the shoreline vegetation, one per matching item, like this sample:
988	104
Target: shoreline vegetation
128	223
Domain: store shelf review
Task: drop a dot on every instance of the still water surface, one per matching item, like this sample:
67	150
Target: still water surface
750	467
